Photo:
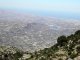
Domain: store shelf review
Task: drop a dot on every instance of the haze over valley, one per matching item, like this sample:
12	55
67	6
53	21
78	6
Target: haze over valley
31	32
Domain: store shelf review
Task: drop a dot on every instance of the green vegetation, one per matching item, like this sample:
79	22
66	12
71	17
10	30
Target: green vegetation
62	40
67	47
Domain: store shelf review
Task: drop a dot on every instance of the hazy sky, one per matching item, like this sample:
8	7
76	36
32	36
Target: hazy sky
43	5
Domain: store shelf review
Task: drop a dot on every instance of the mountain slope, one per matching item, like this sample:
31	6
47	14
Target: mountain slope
66	48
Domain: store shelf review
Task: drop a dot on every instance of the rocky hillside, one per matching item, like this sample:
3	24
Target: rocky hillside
66	48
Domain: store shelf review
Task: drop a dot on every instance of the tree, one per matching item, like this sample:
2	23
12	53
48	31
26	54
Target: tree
77	32
78	49
62	40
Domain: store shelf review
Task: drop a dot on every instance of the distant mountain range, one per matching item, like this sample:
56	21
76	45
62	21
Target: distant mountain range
30	33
